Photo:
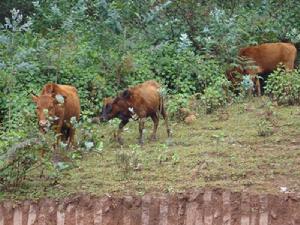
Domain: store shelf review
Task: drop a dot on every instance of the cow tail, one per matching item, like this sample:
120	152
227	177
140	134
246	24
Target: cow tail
162	111
161	104
297	61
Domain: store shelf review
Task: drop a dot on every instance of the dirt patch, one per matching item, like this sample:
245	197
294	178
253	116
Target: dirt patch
207	207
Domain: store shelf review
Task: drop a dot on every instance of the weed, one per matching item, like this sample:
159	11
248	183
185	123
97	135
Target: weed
129	160
165	154
264	128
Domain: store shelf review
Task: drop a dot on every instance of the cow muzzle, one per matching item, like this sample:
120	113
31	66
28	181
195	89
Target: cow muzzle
103	119
44	125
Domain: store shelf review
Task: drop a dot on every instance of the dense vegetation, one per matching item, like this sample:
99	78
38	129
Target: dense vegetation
103	46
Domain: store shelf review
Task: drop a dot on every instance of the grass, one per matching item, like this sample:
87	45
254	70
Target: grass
252	146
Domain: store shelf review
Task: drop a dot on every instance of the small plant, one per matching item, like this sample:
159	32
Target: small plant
165	154
123	161
136	156
129	160
87	138
264	128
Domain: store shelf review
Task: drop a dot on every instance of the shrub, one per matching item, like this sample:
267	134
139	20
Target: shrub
284	87
216	95
178	68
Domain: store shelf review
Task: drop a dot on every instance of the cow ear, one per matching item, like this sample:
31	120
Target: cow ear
34	98
48	88
126	94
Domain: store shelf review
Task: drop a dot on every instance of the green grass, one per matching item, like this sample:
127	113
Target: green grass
223	149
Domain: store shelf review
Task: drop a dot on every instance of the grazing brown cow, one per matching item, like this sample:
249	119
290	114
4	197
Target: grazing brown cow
56	105
263	59
141	101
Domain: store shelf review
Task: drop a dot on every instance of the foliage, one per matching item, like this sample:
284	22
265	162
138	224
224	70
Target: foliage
14	63
216	95
284	87
175	103
20	150
25	6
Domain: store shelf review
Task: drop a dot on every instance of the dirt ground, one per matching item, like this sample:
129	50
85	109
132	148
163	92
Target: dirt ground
209	207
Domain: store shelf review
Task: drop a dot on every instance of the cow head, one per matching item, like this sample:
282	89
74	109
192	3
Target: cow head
117	107
107	110
49	108
235	75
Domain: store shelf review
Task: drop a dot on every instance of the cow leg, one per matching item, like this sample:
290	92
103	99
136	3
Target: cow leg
165	116
141	129
58	131
71	133
289	66
121	126
257	86
155	118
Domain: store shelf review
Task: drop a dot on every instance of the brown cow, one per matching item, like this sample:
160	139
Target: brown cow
263	59
56	105
141	101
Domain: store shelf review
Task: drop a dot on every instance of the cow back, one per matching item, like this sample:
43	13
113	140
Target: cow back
146	98
267	56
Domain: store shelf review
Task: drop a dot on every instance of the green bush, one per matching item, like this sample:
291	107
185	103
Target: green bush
176	67
175	103
284	87
216	95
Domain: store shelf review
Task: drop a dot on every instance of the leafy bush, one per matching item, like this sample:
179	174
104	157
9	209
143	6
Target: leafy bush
216	95
175	103
177	68
19	151
25	149
284	87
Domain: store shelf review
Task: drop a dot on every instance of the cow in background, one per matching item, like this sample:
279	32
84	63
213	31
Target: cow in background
262	59
55	107
140	102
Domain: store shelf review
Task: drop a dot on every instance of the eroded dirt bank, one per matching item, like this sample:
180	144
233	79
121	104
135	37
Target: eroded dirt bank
203	207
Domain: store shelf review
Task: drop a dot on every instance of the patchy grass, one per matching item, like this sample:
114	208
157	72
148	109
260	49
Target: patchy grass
251	146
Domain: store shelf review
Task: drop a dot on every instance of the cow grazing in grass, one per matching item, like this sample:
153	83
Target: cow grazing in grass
55	107
262	59
141	101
